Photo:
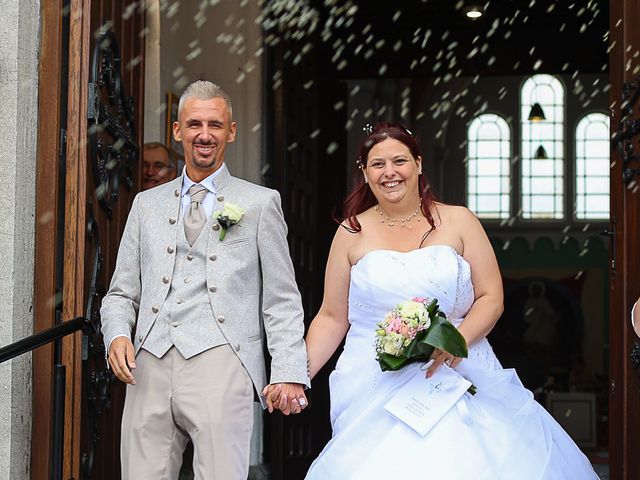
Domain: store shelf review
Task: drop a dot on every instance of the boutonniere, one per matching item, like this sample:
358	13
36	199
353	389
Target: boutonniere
228	217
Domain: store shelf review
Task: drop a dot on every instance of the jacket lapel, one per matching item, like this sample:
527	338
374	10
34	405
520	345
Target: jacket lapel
221	183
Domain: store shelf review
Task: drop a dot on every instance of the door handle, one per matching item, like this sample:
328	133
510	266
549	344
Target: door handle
612	246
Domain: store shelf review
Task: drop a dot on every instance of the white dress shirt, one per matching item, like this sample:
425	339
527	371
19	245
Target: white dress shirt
209	199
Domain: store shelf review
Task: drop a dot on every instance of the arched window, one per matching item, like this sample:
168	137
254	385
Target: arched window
542	148
489	166
592	167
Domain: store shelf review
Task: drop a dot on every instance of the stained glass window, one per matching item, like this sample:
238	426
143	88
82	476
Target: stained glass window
488	166
592	167
542	182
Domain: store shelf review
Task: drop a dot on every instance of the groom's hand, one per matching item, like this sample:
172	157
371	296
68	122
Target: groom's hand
271	394
122	359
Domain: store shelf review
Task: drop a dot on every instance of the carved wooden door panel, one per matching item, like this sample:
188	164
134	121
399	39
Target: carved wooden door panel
115	92
95	125
624	387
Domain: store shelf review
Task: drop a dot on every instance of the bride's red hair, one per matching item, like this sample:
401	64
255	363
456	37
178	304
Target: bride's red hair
361	198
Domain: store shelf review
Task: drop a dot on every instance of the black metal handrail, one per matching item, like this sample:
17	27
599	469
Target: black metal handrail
53	334
49	335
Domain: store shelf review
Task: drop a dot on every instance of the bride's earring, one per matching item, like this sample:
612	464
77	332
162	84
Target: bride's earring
366	180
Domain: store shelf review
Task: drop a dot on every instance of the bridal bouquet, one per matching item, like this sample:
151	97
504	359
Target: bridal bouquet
411	331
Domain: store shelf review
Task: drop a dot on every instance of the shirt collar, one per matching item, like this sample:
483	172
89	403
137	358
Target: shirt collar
208	182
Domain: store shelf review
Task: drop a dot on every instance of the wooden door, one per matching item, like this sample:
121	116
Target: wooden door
99	130
305	163
292	161
49	230
624	387
114	136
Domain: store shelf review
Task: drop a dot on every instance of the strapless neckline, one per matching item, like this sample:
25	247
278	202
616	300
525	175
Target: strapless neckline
375	251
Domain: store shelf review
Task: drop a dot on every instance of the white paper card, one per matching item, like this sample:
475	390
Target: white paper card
421	402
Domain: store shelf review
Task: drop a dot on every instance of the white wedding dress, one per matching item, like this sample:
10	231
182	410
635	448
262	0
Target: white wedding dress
499	433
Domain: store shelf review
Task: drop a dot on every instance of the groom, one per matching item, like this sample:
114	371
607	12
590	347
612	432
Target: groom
198	297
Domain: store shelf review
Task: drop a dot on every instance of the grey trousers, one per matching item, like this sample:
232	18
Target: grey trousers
208	398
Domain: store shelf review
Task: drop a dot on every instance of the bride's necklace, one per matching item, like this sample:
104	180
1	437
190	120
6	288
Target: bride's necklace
404	222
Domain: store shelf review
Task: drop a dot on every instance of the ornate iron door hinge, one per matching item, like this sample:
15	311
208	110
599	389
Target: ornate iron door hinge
629	128
113	150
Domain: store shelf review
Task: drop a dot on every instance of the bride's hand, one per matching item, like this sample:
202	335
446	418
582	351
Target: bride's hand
439	357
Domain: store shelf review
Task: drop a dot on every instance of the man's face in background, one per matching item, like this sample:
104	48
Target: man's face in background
156	167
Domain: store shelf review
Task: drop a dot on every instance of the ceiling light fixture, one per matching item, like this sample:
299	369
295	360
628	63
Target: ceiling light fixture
536	114
473	12
541	153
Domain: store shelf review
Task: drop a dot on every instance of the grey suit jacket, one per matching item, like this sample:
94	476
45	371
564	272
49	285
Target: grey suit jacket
255	289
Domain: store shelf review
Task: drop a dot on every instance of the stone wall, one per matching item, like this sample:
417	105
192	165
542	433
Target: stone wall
19	42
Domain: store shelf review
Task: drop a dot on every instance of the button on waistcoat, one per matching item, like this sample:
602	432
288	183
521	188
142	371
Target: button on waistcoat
186	319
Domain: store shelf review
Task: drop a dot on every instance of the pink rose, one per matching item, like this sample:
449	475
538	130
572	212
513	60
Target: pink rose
394	325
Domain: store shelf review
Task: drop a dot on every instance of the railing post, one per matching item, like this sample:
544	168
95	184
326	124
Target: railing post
53	334
57	449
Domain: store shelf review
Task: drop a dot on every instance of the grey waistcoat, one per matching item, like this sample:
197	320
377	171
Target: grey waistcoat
186	319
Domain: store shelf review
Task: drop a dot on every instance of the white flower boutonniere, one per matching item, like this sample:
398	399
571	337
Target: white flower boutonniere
228	217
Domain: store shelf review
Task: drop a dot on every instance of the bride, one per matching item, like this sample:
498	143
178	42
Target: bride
398	242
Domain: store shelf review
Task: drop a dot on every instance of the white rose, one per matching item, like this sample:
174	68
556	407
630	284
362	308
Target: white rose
393	344
232	212
415	310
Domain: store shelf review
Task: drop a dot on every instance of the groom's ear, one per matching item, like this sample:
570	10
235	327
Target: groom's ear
177	134
232	132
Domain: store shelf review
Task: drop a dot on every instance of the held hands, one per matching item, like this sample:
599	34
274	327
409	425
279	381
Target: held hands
439	357
122	359
289	398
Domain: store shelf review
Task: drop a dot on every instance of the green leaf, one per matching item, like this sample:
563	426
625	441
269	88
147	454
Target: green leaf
412	347
417	350
425	350
445	336
439	319
433	307
389	362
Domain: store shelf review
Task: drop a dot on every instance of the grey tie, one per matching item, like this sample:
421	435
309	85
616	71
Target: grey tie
195	218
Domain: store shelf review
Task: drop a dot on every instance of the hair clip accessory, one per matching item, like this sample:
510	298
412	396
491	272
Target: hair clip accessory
368	129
